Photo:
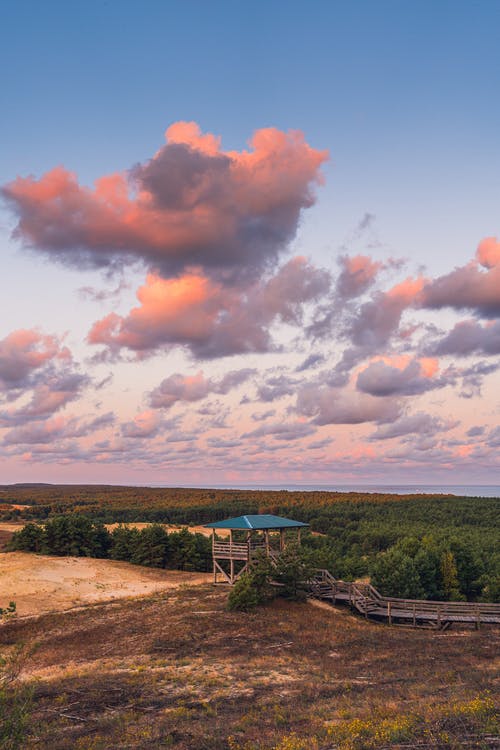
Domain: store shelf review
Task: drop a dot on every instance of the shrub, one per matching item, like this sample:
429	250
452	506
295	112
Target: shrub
252	588
31	538
15	705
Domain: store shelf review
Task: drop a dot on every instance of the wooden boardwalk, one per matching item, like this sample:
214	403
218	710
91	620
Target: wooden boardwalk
365	599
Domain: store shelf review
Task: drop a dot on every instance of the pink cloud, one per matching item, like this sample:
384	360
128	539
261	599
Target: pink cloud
211	318
191	205
358	273
189	388
24	351
287	431
171	311
402	376
421	424
469	287
328	405
144	425
371	327
56	428
469	337
488	252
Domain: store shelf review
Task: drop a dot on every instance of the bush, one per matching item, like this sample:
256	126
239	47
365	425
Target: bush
252	588
31	538
290	572
10	610
15	705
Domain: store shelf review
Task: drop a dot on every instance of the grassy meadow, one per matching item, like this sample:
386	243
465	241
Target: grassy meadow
177	670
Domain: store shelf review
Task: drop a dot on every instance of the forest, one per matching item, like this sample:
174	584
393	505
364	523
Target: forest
439	547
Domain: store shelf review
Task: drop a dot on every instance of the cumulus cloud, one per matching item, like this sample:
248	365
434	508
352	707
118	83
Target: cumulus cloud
25	351
470	337
191	388
311	361
37	376
494	437
144	425
420	424
328	405
488	252
262	416
56	428
282	431
371	327
48	397
475	286
102	295
402	376
357	274
377	320
276	387
191	205
473	376
475	431
208	317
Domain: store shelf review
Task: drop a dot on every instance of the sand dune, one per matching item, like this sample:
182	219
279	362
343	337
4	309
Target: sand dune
38	583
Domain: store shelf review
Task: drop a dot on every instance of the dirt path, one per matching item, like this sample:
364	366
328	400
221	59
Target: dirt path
38	583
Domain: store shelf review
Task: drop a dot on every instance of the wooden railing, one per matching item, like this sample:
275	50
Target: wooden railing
239	550
369	602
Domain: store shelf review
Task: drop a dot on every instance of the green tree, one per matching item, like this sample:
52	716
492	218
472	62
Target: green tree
31	538
450	578
76	535
253	587
152	547
470	566
428	564
189	551
490	588
395	574
124	542
292	570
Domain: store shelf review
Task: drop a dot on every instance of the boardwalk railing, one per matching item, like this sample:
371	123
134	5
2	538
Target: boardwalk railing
364	598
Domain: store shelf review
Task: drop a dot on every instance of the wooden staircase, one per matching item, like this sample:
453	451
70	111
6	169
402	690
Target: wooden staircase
367	601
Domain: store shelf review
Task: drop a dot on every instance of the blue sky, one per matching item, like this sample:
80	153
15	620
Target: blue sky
403	95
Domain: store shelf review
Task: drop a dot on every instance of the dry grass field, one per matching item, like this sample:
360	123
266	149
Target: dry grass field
177	670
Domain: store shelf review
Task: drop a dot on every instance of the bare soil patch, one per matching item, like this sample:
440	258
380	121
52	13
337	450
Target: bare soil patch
39	583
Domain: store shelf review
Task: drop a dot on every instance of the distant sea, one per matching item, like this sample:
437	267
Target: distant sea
461	490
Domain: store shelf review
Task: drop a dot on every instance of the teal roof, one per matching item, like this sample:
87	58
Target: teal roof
261	521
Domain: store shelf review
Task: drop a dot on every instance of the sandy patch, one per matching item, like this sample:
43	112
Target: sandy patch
38	583
12	525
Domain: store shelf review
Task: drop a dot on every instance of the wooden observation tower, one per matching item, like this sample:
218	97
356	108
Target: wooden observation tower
246	537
